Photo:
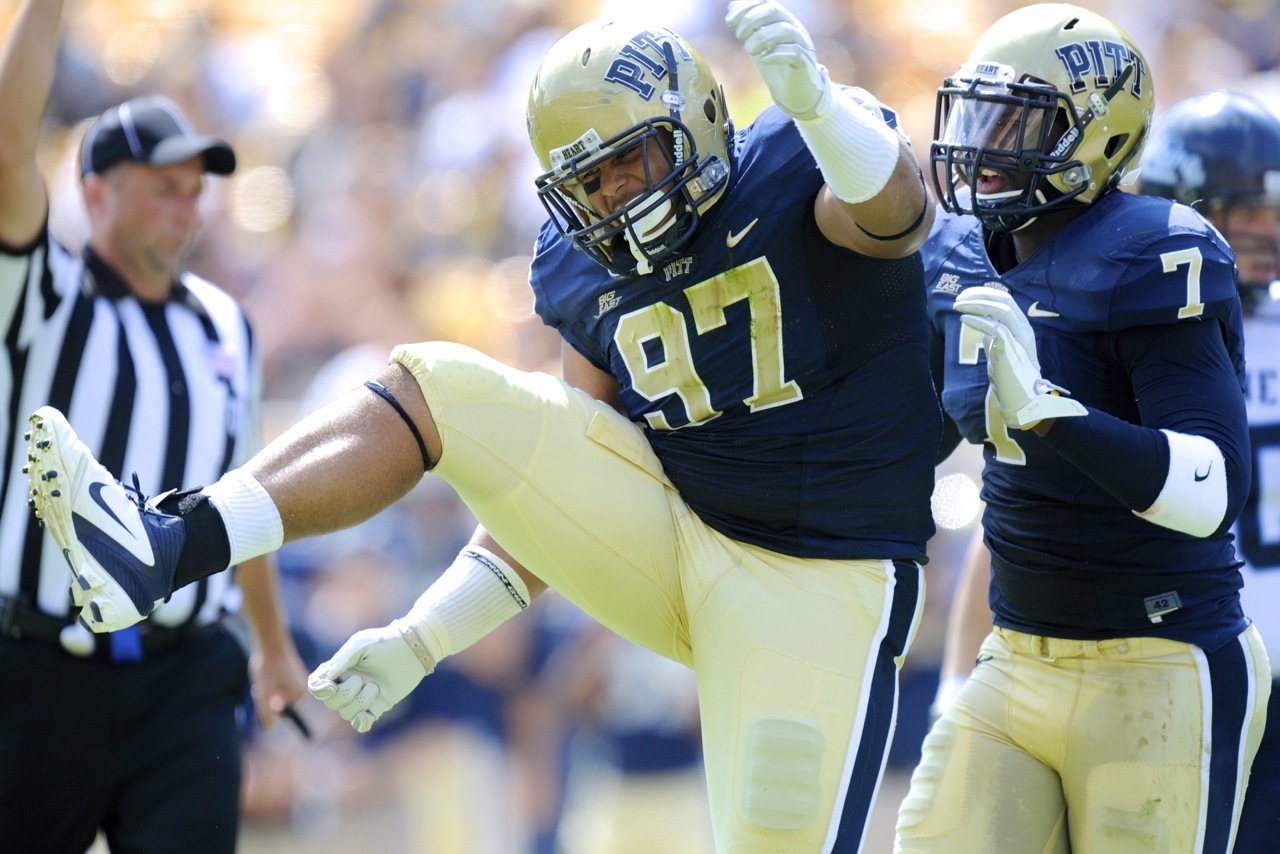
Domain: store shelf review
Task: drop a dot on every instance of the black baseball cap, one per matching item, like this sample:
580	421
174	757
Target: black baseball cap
150	130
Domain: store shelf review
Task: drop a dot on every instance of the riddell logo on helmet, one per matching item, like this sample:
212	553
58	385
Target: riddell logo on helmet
1067	142
1097	63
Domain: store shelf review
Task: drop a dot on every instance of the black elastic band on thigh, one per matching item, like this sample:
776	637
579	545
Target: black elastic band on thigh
385	393
901	234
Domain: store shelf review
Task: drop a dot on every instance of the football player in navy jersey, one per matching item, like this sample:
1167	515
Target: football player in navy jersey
1220	152
1091	341
735	471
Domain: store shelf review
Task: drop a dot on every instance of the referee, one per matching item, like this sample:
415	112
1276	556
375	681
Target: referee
156	369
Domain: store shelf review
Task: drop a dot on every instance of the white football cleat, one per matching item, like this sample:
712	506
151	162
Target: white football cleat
121	550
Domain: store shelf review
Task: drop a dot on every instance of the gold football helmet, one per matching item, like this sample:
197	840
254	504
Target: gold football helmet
1054	93
606	90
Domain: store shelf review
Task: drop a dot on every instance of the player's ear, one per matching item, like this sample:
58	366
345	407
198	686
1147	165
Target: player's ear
93	186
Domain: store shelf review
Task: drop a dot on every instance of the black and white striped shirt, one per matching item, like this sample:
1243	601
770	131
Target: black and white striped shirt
170	392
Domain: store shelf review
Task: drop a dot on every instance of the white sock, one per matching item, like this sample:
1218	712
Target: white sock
250	516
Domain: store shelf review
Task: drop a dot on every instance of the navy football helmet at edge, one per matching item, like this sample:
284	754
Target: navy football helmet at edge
1214	152
1053	93
604	91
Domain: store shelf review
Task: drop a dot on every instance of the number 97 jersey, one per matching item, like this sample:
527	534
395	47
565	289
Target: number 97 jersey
783	380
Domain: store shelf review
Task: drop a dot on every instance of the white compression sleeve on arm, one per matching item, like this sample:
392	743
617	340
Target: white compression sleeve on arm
476	594
1194	497
250	516
856	151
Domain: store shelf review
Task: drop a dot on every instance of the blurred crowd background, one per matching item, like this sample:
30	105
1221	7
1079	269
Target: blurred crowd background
385	194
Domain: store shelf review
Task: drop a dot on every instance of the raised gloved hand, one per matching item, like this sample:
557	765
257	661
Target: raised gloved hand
783	52
371	672
1013	367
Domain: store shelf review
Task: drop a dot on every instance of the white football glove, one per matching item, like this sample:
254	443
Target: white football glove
370	673
999	305
1013	367
783	52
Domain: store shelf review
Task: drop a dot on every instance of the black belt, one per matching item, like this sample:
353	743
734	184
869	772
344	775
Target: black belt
20	621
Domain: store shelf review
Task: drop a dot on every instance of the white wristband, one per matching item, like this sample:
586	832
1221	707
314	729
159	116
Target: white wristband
250	516
1194	497
476	594
855	150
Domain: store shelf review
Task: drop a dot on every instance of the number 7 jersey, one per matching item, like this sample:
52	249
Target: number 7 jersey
1069	558
783	381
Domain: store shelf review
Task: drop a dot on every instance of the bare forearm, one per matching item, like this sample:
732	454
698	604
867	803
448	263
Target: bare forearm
902	210
263	608
278	673
26	78
969	620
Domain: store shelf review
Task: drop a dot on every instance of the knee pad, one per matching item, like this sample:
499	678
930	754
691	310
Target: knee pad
446	364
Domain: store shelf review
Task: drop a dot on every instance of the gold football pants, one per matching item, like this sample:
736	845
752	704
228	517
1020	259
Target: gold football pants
796	659
1091	747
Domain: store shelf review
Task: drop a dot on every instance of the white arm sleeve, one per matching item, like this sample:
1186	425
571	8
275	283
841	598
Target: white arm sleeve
1194	497
855	150
475	595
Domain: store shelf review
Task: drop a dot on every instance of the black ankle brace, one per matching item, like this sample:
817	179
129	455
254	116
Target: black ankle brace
206	549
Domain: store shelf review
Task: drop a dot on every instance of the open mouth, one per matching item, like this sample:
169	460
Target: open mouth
990	181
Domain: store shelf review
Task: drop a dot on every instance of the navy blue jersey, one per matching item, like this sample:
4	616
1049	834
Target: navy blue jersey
783	381
1110	297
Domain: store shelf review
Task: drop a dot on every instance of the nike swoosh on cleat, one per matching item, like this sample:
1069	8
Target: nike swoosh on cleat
731	240
1037	311
95	492
113	556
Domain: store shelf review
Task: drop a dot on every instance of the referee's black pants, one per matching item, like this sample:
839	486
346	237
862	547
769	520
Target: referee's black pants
147	751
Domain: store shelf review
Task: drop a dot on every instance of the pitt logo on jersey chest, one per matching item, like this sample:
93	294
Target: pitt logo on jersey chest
675	268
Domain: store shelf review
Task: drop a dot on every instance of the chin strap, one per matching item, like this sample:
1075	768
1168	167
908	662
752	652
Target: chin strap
641	231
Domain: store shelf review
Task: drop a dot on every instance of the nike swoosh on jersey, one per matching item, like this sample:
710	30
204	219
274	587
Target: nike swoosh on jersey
1037	311
731	240
1199	477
